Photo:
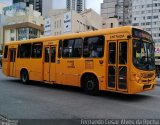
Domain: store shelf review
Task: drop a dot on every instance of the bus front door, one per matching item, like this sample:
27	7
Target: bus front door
117	65
12	57
49	63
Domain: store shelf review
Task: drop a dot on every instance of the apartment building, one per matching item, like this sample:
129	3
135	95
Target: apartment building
77	5
146	15
120	9
37	4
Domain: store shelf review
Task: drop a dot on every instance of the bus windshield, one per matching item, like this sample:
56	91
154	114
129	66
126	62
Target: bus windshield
143	55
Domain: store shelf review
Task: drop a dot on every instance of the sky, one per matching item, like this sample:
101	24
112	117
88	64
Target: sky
94	4
6	1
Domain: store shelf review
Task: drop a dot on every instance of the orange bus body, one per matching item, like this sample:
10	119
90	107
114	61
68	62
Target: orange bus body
55	66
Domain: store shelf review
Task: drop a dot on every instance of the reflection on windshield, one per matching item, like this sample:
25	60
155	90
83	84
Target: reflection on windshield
143	55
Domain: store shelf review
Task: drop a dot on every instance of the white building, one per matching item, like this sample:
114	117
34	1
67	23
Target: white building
46	6
146	14
22	24
63	21
108	8
120	9
77	5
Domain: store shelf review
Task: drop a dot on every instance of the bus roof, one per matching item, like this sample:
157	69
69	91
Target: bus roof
76	35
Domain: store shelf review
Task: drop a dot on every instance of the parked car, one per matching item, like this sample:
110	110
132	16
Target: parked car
1	60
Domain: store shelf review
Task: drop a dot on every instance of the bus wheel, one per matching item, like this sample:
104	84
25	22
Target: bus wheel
24	76
90	85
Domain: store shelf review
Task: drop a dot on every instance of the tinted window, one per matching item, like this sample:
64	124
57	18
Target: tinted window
68	48
72	48
12	55
93	47
60	49
25	51
5	51
37	50
77	49
47	52
123	53
112	53
53	54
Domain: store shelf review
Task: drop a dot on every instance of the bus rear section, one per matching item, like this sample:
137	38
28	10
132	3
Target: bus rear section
9	60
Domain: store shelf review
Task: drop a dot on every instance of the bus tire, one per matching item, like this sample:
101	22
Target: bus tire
90	85
24	76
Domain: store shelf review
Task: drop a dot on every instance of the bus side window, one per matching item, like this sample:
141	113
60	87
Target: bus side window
37	50
60	49
93	47
77	50
5	51
25	50
68	48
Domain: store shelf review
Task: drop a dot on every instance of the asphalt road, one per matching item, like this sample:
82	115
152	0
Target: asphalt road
39	101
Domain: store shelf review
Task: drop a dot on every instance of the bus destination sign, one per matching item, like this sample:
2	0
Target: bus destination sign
141	34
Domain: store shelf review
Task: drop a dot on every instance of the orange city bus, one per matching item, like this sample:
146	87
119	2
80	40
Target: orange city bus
118	59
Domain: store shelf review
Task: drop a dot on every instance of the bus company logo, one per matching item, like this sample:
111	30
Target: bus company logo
67	18
101	61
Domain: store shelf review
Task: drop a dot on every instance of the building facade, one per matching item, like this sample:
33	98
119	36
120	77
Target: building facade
46	6
24	24
37	4
63	21
2	23
110	23
146	15
120	9
77	5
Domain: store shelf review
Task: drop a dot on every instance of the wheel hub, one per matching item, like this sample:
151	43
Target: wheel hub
90	85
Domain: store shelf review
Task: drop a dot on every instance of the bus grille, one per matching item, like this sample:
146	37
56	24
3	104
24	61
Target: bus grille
146	87
150	75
